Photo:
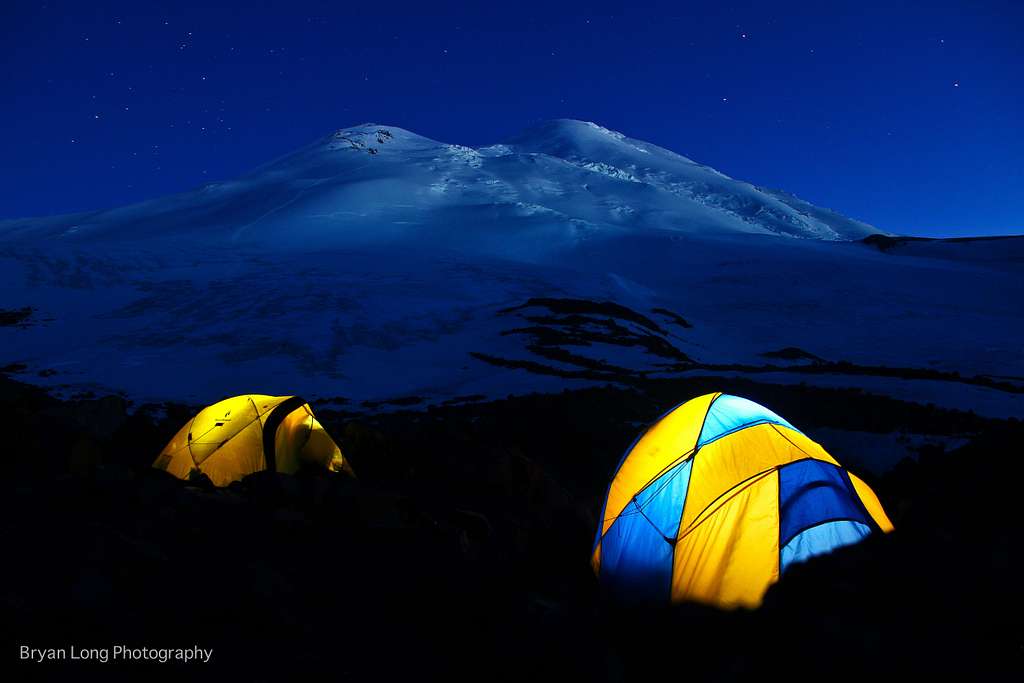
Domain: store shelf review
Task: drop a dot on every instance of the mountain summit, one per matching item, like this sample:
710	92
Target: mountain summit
538	193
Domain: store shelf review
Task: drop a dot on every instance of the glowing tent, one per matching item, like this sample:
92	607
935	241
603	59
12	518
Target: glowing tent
717	499
246	434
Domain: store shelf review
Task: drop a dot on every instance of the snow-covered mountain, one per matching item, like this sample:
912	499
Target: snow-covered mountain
377	264
548	188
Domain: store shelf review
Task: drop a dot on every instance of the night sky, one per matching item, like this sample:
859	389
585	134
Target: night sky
909	118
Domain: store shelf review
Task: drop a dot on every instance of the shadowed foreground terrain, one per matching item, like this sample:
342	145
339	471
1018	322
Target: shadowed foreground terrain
462	550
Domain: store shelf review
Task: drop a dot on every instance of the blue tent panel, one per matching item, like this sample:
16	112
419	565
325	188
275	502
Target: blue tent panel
812	492
636	560
821	539
732	413
662	500
636	555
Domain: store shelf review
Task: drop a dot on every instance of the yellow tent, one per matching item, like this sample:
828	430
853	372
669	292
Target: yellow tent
246	434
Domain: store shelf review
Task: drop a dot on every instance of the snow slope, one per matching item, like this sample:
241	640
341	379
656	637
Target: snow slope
377	264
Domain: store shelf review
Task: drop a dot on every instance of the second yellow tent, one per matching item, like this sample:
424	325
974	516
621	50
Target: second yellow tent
245	434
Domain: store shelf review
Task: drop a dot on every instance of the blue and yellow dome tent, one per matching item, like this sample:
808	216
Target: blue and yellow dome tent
717	499
250	433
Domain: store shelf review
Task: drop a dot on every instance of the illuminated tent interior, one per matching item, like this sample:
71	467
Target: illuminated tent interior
245	434
717	499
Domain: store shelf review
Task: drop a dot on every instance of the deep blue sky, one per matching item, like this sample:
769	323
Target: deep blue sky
908	117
